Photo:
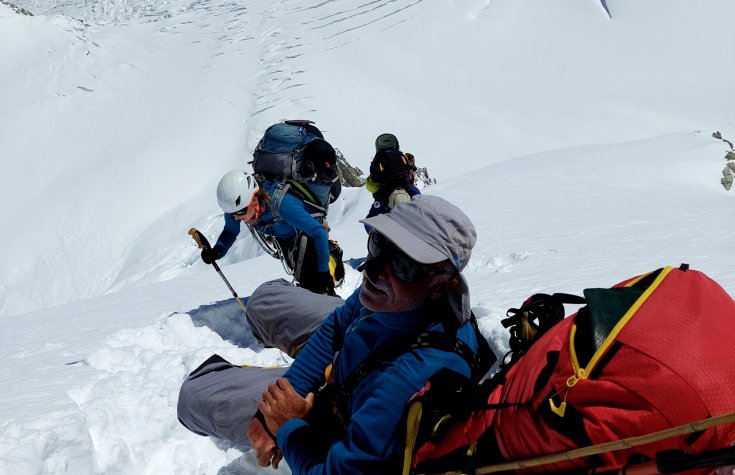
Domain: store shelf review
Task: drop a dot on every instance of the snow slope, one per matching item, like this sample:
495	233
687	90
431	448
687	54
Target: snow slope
580	145
91	387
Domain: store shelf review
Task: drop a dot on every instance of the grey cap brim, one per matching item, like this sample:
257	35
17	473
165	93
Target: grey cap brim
410	244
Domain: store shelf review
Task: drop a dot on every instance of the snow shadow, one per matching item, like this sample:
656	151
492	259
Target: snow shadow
355	262
227	319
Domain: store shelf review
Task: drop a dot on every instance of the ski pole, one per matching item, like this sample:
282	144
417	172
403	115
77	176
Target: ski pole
202	243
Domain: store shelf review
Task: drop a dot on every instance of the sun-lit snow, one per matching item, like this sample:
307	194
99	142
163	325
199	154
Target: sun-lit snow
579	144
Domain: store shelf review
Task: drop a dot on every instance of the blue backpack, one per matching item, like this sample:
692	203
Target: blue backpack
280	155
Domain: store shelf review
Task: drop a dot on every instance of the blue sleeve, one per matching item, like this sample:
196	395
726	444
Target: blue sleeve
412	190
307	371
292	211
228	235
374	440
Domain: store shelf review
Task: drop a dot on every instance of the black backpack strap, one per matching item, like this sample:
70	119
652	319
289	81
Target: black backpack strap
399	346
331	403
479	363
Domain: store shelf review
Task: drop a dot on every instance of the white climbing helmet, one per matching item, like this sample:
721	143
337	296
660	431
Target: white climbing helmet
235	190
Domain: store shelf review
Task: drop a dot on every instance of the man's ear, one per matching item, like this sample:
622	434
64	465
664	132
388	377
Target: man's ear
441	285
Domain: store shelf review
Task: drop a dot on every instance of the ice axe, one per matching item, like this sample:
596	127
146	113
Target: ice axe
202	243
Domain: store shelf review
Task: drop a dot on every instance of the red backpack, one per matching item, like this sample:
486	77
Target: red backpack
651	353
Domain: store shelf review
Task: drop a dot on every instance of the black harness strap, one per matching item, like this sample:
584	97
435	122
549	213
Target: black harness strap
399	346
333	399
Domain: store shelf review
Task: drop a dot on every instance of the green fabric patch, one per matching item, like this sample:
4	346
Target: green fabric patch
605	308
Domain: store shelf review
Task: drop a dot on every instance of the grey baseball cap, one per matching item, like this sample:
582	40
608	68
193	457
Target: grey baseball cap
429	229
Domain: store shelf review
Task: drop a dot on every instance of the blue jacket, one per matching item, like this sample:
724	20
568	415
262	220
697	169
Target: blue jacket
380	205
294	217
374	439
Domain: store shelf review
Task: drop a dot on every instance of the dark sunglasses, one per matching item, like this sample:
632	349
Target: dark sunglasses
244	212
381	253
250	211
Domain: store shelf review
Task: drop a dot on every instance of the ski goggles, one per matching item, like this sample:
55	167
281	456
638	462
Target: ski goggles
382	252
251	212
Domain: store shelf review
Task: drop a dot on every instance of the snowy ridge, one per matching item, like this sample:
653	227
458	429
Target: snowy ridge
292	35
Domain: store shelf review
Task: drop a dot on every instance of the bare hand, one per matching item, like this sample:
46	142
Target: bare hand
281	403
266	451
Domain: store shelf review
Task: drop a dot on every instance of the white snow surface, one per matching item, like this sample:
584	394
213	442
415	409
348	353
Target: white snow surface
579	144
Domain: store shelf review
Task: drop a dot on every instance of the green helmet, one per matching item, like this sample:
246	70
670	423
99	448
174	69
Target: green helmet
386	141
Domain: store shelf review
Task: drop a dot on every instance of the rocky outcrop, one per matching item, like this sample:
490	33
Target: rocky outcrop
726	179
423	178
348	175
718	136
727	172
353	176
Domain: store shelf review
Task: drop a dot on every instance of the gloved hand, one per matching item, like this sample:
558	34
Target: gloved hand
320	283
209	255
326	283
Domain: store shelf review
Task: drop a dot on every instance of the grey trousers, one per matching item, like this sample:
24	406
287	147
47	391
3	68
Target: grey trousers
284	316
220	399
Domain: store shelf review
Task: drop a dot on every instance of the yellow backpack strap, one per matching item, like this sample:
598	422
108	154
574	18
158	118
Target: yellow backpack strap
413	422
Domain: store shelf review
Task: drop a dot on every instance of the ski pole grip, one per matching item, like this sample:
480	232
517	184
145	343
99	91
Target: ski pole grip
199	238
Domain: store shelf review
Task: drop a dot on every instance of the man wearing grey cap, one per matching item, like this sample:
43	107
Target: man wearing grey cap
412	285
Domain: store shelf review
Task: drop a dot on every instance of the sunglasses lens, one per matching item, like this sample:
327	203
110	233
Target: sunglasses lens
250	211
375	244
382	253
245	214
405	268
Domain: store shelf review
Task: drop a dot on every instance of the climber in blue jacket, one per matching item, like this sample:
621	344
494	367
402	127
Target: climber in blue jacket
412	283
244	200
